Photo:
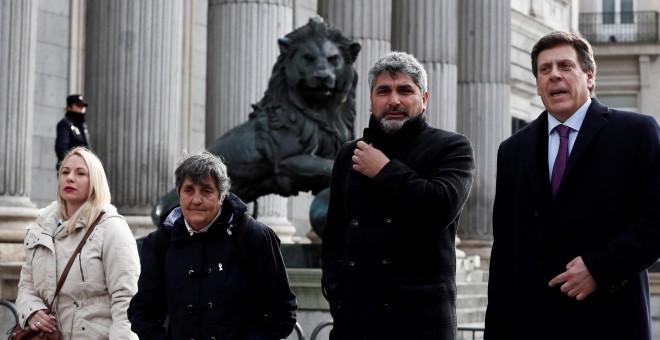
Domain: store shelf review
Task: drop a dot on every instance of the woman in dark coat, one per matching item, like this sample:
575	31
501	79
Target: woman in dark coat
210	269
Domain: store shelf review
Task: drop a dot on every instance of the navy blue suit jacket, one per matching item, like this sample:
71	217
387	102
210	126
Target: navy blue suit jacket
607	210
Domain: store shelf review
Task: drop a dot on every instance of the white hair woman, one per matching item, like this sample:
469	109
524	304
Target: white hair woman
93	301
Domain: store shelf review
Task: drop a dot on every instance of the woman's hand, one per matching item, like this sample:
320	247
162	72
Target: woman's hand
40	321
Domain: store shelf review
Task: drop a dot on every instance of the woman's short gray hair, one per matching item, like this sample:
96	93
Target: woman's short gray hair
399	63
201	166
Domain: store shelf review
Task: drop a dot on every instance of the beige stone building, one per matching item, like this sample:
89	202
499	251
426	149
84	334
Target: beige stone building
170	76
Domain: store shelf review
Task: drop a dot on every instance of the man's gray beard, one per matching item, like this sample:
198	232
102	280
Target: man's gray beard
392	126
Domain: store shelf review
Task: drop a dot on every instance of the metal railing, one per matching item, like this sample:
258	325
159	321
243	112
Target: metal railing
463	332
620	27
469	333
11	308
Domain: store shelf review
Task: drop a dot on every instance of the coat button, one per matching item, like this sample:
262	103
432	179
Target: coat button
387	222
354	224
385	262
190	309
209	271
386	306
351	264
536	213
209	305
191	273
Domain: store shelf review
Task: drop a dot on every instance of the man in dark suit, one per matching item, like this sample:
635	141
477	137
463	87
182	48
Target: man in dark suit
576	219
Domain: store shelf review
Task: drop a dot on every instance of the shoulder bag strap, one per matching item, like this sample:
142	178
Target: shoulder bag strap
73	257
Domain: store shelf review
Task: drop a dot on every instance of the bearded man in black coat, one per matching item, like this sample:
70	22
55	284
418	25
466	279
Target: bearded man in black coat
388	256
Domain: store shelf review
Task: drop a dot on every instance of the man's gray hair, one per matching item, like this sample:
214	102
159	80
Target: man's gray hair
201	166
399	63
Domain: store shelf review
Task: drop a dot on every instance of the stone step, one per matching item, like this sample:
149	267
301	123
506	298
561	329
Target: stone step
471	315
472	288
477	275
471	300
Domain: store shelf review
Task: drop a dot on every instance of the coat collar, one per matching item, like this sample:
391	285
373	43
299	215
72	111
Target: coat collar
232	209
410	129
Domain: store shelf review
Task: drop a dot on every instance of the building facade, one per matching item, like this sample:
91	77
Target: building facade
168	77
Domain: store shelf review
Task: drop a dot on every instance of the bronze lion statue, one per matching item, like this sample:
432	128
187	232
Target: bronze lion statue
292	136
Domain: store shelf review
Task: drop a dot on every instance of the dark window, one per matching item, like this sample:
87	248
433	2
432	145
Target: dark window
627	12
608	11
517	124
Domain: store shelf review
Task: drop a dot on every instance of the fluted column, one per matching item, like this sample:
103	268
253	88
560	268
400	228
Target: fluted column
242	49
18	20
133	83
369	23
483	102
304	10
433	42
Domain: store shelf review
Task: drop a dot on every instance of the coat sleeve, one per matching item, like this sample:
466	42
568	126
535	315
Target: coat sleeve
277	304
499	275
28	300
62	139
148	310
444	190
332	247
638	245
121	264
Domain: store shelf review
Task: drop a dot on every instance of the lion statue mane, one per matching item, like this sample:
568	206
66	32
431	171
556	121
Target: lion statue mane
290	140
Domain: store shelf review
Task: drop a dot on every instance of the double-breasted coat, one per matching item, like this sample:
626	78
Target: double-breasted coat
94	298
207	287
607	210
388	255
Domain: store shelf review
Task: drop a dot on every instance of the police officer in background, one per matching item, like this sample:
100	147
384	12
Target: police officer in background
72	129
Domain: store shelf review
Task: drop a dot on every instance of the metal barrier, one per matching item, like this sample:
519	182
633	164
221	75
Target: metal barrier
474	330
462	329
12	308
319	327
299	332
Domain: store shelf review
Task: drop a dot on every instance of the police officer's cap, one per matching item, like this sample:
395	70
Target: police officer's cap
76	99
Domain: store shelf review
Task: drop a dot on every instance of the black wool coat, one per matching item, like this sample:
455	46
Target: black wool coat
388	256
607	210
208	288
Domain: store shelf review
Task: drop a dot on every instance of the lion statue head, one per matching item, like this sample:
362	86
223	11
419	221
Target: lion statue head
314	74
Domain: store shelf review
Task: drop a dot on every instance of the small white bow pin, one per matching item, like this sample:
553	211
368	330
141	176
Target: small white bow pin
220	267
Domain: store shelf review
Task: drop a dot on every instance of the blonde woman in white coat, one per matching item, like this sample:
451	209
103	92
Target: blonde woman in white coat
95	296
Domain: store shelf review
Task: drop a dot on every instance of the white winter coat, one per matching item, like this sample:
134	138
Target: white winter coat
95	296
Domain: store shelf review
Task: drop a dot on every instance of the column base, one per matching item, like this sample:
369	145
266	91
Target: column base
141	225
479	248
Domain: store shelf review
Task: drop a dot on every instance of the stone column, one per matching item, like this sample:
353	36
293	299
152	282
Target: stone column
369	23
18	19
242	49
193	84
483	104
303	10
133	83
434	44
